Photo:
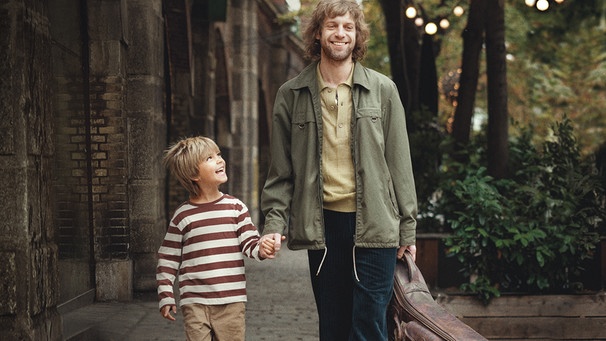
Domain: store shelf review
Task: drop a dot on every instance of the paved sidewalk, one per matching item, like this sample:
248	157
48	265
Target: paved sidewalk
280	307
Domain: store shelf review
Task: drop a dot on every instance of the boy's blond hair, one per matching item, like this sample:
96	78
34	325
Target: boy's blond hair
183	158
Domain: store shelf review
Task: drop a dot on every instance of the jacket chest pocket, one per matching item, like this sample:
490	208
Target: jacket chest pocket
303	120
303	123
304	146
369	122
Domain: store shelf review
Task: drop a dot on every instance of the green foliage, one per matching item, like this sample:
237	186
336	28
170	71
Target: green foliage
425	140
558	68
377	56
528	233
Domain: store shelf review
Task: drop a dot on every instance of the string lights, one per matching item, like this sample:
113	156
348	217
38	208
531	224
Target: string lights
431	26
541	5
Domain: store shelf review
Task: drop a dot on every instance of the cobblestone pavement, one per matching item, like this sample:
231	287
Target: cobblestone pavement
280	307
280	300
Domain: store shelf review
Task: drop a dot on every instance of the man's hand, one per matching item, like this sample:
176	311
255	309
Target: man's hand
411	248
167	309
270	245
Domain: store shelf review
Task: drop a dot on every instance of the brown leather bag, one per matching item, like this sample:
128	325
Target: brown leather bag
414	315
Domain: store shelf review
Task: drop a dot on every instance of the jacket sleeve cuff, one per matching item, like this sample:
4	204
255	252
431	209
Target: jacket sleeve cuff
272	226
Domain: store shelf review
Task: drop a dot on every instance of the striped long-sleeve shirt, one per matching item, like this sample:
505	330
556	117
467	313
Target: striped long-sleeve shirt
205	245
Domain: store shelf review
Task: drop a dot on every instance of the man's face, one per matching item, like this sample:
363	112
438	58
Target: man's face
337	38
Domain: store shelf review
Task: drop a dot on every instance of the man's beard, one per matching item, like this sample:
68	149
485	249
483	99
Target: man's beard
338	56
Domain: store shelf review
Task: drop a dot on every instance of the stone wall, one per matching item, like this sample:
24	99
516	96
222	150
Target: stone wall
28	295
92	94
109	110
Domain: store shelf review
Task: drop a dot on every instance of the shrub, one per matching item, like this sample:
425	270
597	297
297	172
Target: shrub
425	136
530	232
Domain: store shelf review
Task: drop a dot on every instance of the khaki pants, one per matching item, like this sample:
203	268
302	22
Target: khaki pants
214	322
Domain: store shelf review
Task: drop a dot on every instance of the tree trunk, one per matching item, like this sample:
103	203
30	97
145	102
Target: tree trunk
498	125
428	84
404	51
412	51
393	26
473	37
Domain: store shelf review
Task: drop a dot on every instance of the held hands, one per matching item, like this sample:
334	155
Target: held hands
166	311
270	245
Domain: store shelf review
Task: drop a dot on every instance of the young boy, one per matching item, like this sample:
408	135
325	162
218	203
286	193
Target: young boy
205	244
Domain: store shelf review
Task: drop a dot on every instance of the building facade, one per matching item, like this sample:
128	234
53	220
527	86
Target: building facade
93	92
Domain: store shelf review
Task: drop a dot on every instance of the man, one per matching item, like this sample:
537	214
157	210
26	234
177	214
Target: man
340	178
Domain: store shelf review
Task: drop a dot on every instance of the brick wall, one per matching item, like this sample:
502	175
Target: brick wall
108	150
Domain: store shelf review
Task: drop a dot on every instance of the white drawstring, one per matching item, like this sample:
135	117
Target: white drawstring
354	263
322	261
353	259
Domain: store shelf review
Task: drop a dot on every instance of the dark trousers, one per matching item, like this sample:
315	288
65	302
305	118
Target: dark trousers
350	308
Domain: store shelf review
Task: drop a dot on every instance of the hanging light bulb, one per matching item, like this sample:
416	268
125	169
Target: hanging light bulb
444	23
458	11
559	1
411	12
530	3
431	28
542	5
419	21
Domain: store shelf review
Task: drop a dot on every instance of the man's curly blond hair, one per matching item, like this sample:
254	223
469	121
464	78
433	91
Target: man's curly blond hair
330	9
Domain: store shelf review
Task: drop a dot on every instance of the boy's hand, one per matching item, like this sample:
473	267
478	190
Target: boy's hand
267	249
166	310
270	245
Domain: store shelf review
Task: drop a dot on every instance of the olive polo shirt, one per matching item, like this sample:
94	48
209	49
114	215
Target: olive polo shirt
337	162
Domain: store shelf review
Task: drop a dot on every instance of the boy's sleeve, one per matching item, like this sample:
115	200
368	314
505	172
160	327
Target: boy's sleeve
169	260
248	235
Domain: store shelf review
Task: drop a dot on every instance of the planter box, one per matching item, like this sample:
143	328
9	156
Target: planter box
518	316
532	317
438	270
443	272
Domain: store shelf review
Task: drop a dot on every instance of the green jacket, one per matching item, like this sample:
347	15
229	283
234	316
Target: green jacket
386	197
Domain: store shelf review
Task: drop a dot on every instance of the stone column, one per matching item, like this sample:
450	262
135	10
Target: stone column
146	131
184	120
243	53
28	270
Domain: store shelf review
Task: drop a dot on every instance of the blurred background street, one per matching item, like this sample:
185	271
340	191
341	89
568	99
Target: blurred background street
280	307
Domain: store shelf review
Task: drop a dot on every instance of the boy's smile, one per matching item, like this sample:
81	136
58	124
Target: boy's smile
211	171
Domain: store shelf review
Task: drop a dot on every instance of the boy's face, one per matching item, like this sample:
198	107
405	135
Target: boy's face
337	38
211	170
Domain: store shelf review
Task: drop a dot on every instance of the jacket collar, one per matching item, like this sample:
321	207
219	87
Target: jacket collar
308	78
